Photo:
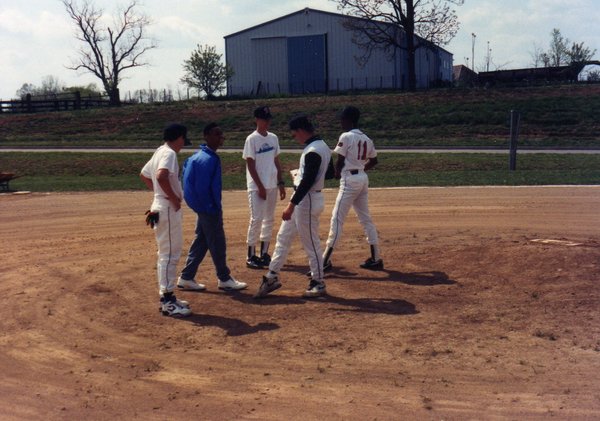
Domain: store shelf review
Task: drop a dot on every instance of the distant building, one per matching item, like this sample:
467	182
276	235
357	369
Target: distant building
311	51
463	76
534	75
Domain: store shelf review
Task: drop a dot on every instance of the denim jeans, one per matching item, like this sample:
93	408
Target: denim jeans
210	236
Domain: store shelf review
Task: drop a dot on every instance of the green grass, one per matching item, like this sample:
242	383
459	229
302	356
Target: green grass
553	116
69	171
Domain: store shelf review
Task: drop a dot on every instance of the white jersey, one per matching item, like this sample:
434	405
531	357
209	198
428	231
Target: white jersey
164	158
263	150
320	147
356	148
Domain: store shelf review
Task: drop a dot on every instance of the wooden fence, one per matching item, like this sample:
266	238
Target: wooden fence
61	102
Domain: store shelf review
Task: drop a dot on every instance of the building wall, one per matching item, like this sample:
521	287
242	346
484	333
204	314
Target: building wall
259	55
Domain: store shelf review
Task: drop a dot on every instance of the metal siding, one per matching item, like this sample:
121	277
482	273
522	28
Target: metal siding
269	64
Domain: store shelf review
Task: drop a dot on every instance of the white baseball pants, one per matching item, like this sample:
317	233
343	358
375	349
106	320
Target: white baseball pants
305	223
169	238
354	192
262	216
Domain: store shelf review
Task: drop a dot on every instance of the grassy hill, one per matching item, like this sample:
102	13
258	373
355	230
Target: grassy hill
553	116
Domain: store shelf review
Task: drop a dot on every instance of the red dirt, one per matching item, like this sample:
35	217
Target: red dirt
470	320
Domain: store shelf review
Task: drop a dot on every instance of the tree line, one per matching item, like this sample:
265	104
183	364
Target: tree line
561	52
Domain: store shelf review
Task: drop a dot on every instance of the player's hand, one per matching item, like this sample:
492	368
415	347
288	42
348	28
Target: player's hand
288	211
281	192
262	193
176	203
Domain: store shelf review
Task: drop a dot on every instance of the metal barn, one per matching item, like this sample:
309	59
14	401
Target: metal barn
311	51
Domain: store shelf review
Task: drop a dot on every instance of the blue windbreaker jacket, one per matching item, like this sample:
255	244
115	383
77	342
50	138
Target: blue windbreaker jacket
202	181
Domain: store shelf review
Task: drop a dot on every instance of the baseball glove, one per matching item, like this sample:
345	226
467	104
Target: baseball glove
151	218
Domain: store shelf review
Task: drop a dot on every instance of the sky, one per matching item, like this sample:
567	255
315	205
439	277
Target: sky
37	38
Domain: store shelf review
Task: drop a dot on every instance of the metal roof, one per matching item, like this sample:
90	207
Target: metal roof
307	10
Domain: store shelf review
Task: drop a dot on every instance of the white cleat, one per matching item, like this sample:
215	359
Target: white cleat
190	285
267	286
175	308
231	285
315	289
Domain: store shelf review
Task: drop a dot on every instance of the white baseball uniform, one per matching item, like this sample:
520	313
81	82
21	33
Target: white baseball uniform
357	149
263	150
168	230
305	219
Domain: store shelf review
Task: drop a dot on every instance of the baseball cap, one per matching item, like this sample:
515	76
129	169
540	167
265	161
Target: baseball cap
174	130
263	112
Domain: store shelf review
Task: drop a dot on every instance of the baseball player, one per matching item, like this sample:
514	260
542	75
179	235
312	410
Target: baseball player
161	175
263	177
202	188
356	154
301	216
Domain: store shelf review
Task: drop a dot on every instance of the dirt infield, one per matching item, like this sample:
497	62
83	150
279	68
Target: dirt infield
471	318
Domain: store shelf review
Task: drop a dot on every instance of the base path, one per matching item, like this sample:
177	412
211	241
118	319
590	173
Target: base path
487	309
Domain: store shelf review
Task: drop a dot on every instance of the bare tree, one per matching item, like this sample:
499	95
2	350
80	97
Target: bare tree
51	86
580	54
392	24
108	51
537	55
205	72
558	51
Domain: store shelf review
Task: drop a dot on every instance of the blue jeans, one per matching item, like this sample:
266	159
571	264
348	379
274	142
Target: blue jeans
210	236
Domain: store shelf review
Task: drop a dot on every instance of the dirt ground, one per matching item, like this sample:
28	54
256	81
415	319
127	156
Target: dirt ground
471	318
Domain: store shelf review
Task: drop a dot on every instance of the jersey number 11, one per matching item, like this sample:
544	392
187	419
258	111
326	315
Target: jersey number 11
362	151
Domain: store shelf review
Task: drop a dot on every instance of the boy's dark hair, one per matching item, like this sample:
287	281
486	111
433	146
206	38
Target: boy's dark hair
301	122
173	131
350	113
209	127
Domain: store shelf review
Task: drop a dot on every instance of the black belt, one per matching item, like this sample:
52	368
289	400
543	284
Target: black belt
353	172
314	191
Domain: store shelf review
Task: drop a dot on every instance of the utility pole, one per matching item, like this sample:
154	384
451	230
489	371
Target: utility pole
473	36
489	57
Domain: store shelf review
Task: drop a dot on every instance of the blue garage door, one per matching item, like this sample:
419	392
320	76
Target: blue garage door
307	64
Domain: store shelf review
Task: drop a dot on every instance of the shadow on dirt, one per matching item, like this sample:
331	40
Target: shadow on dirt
232	327
360	305
427	278
372	305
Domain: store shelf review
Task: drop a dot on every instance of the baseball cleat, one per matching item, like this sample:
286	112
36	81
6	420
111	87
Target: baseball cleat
231	285
254	262
267	286
175	307
265	260
315	289
181	302
190	285
372	264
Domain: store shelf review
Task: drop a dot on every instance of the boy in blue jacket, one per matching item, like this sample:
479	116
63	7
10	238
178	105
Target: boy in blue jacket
202	193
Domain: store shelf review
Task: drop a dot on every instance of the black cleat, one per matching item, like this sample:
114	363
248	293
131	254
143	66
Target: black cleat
372	264
254	262
265	260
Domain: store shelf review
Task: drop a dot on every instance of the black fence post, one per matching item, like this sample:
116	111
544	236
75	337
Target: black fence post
515	118
28	104
77	104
